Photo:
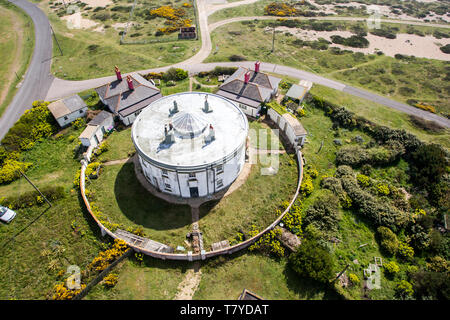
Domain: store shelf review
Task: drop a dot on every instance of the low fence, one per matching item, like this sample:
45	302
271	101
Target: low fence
102	274
189	256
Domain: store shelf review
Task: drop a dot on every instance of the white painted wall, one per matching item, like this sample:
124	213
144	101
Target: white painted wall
248	110
286	128
66	120
207	180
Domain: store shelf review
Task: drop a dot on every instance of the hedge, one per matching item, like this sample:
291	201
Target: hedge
31	198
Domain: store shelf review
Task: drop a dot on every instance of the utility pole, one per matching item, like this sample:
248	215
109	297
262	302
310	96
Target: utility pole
54	35
340	273
273	40
37	189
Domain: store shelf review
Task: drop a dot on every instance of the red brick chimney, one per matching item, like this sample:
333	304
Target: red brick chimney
130	83
118	74
257	65
247	77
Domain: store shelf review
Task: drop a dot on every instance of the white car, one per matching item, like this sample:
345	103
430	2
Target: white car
6	215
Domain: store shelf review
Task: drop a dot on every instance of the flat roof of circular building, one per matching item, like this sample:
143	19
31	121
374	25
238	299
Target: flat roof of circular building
175	131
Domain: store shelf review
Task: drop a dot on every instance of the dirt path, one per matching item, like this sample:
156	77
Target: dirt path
14	66
114	162
203	85
187	287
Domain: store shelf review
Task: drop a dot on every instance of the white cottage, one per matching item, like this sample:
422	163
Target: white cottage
127	97
96	129
67	110
287	123
250	89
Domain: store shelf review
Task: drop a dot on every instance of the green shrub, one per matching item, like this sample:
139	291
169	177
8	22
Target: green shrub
405	251
268	243
312	261
354	278
174	74
306	187
388	240
31	198
79	123
10	170
391	267
292	220
324	213
363	180
404	289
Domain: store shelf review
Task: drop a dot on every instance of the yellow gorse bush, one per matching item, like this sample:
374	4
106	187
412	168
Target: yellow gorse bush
280	9
105	258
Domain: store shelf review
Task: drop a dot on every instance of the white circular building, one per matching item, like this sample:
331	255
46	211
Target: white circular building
191	144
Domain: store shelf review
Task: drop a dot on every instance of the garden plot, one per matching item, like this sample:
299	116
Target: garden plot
151	22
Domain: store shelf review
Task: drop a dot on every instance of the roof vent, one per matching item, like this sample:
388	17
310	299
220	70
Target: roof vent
247	77
206	108
175	108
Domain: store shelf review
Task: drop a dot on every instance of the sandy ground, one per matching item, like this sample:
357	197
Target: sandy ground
382	9
76	21
408	44
97	3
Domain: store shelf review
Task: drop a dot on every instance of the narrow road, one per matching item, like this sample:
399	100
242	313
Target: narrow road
37	79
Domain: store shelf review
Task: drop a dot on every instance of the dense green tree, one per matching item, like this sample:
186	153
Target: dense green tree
428	164
324	213
388	240
312	261
431	284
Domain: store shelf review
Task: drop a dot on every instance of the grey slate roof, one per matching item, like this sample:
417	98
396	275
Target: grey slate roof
74	103
258	89
121	100
99	118
64	107
239	99
296	91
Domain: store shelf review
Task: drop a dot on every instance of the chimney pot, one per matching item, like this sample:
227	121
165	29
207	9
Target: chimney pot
247	77
257	65
118	74
130	83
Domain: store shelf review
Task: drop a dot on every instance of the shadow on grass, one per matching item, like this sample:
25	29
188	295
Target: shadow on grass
307	288
144	209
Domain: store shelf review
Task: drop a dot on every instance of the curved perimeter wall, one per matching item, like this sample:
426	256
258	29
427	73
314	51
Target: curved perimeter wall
189	256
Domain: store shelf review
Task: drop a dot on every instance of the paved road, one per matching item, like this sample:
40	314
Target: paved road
40	84
37	78
220	23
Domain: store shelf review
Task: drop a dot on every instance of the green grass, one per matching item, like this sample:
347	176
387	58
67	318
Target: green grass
122	199
380	74
153	279
25	272
180	86
263	131
104	51
254	203
121	146
16	48
225	278
379	114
